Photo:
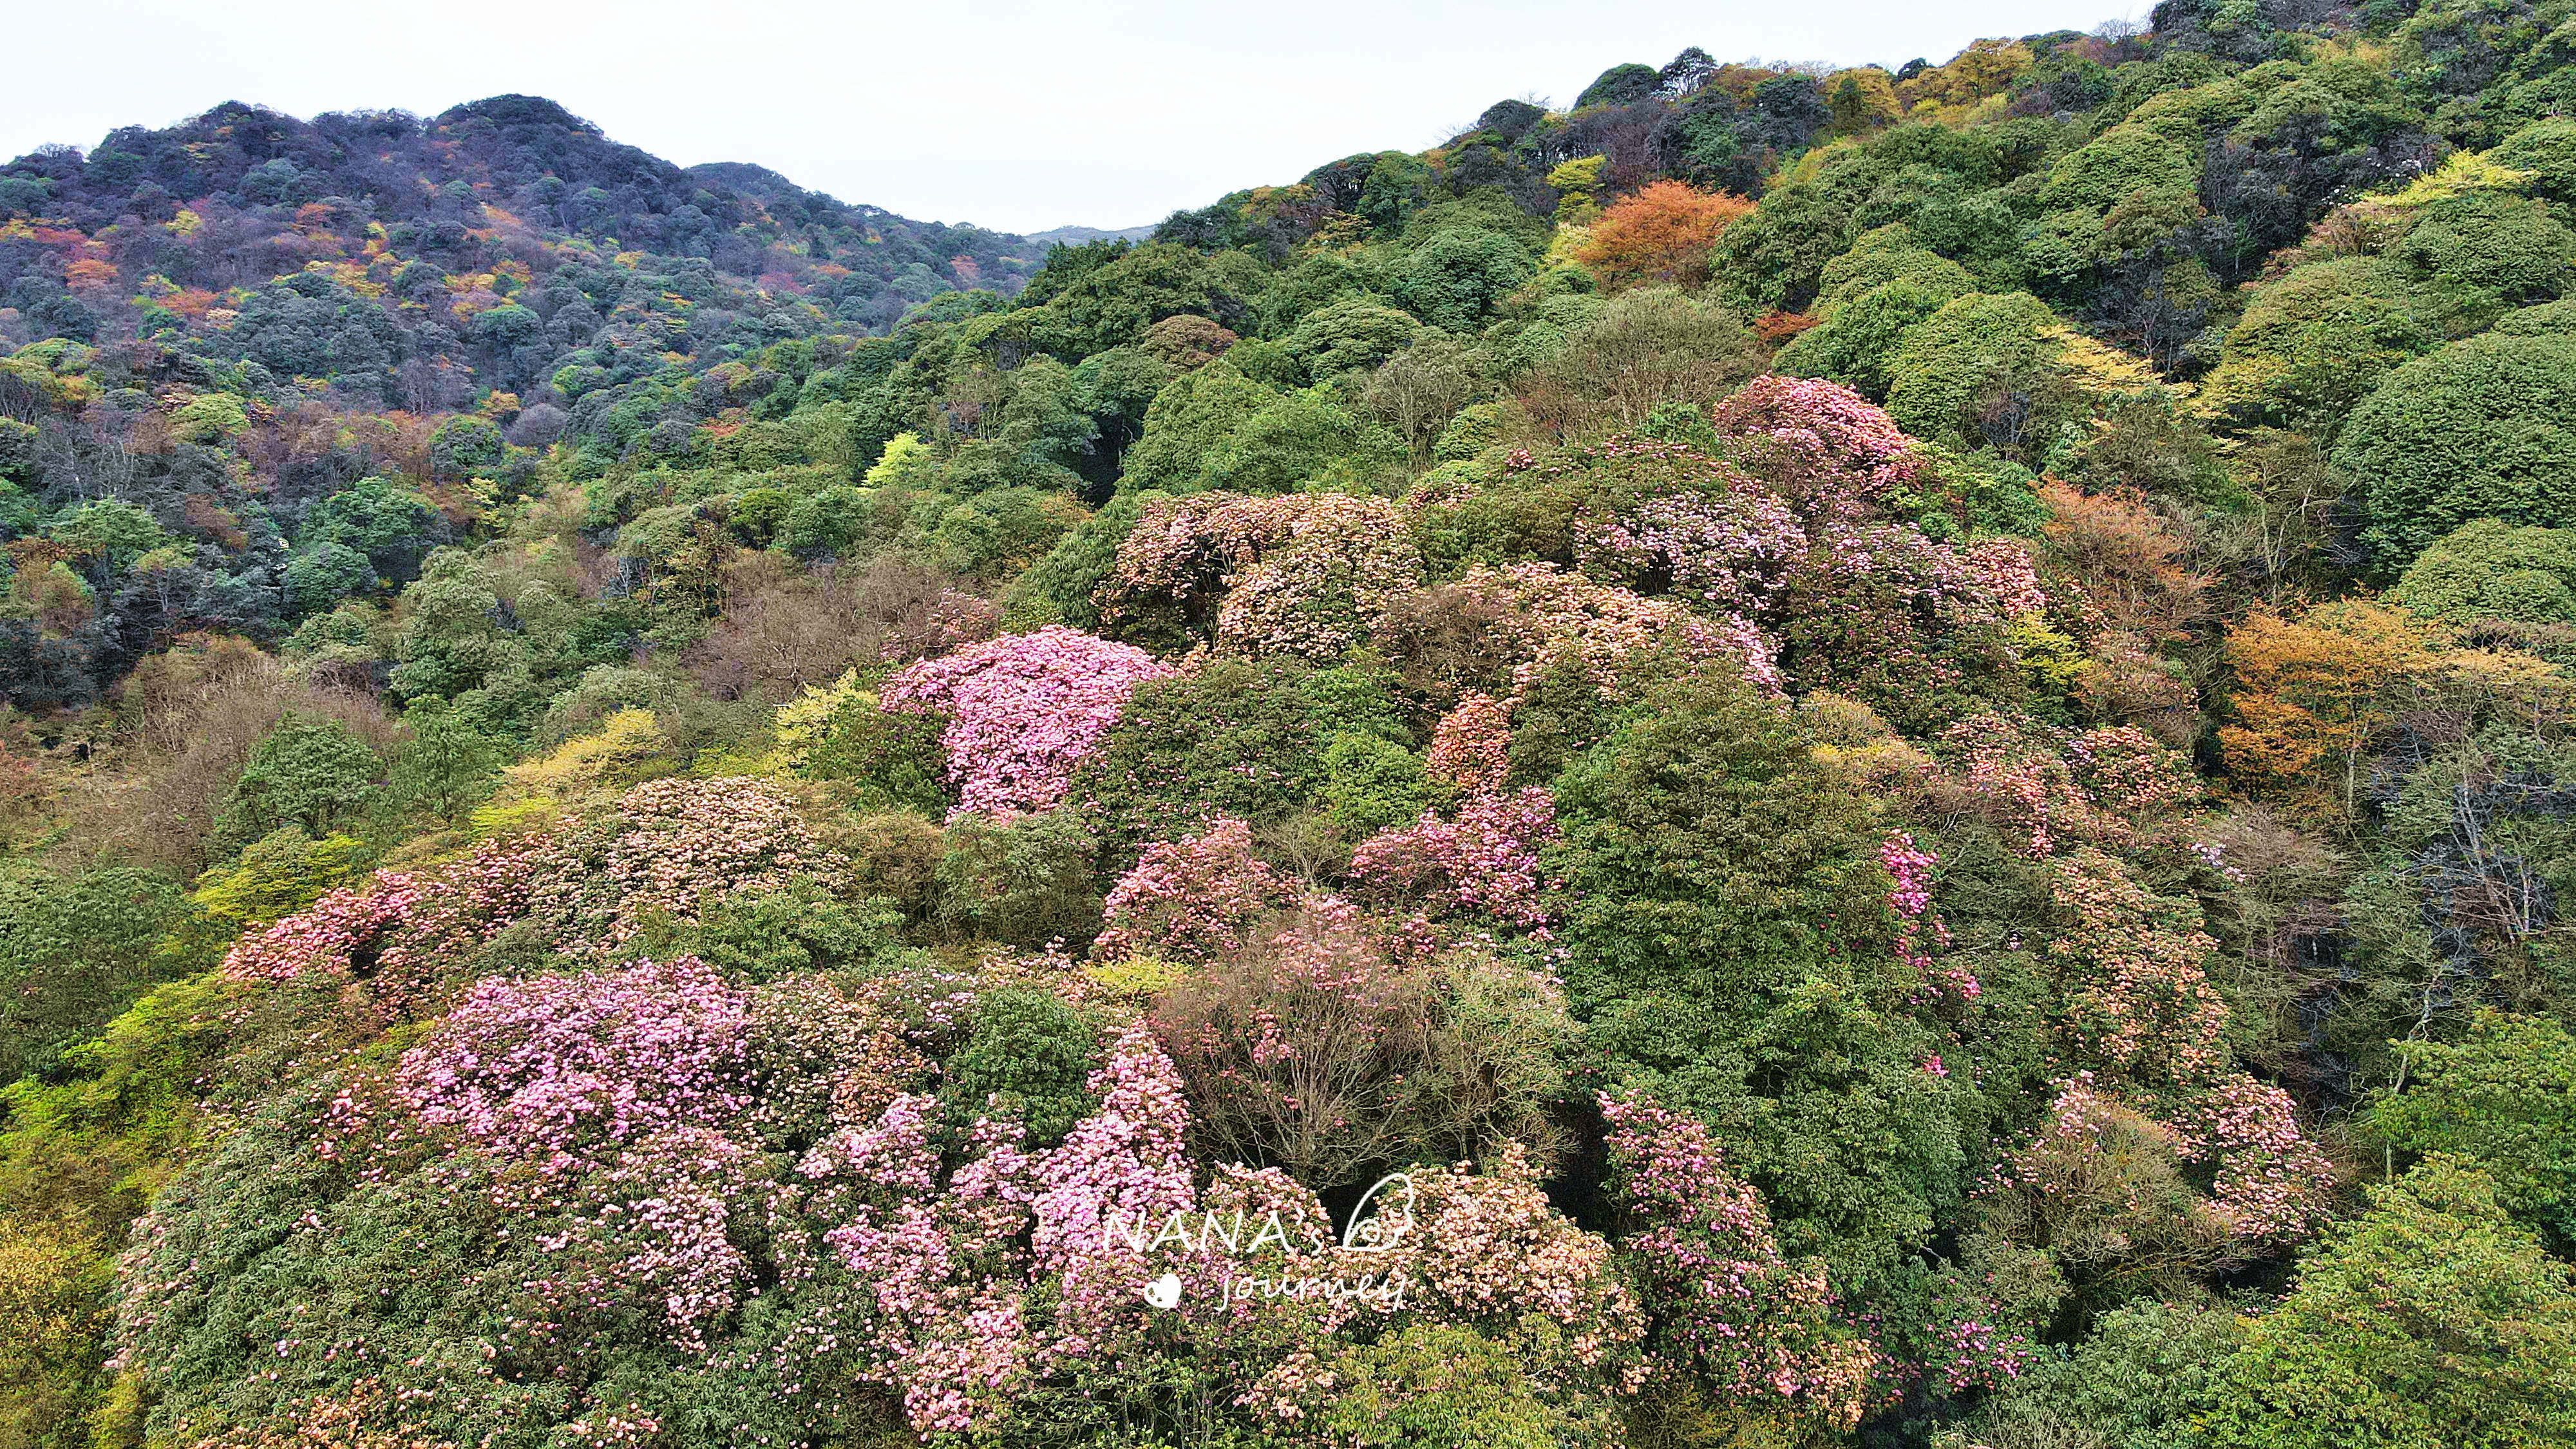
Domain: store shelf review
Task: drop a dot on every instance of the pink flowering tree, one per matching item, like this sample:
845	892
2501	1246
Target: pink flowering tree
401	924
1663	518
2142	1018
1554	617
1303	574
1484	864
1724	1303
1344	561
560	1069
1192	900
669	851
1825	447
1022	711
1905	624
1332	1047
1471	747
1921	937
2049	789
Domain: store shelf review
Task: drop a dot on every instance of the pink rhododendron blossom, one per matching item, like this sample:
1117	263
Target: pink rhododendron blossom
1724	1299
555	1068
1194	899
1558	617
671	849
1485	862
1023	711
401	923
1666	518
1304	574
1895	619
1471	747
1919	931
2273	1183
2053	789
1833	452
2010	574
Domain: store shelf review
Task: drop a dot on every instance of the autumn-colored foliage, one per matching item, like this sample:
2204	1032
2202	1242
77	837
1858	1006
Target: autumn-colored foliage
1661	233
2316	695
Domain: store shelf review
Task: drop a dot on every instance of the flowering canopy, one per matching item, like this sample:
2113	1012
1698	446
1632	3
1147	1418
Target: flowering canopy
1023	710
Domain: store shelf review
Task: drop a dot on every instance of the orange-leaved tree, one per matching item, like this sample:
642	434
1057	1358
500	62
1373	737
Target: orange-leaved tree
1660	234
2315	695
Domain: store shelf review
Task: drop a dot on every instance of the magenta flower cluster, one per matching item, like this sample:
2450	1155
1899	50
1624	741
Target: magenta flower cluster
560	1069
1023	710
1725	1301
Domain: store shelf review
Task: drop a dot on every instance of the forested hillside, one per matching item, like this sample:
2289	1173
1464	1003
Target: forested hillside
312	352
1899	738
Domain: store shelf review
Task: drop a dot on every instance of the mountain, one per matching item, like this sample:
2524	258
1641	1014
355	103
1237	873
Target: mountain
408	214
1077	235
1803	757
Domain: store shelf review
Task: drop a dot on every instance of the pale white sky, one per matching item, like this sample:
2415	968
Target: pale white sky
1016	116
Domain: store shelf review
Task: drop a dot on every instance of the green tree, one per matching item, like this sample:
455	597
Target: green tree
74	950
794	929
277	875
1190	417
1710	852
2138	1382
464	447
1455	280
2492	570
1440	1386
1352	334
447	765
2505	1096
1982	371
2506	246
310	771
1724	884
1028	1053
2431	1322
2484	428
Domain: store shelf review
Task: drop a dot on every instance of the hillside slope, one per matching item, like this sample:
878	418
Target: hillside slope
1797	757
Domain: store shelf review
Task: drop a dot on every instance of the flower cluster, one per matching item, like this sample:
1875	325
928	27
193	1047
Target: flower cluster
1892	618
671	849
401	924
1023	710
955	1269
1328	587
2273	1184
2140	1008
1559	617
1304	574
1909	897
335	935
2010	574
2052	789
1723	1298
1826	447
1471	747
559	1069
1485	862
1680	521
1194	899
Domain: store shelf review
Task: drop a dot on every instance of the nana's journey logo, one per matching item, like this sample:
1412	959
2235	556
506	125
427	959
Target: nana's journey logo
1381	1222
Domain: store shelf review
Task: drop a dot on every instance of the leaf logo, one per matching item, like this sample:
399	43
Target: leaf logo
1164	1292
1383	1229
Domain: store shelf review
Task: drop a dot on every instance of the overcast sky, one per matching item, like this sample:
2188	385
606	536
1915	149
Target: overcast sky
1014	116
